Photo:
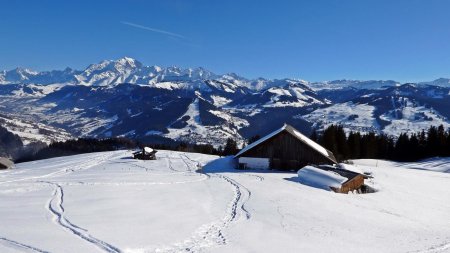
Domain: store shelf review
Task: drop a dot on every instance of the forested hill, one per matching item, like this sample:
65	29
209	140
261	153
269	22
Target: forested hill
10	144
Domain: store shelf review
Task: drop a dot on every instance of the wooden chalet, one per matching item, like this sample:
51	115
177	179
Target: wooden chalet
283	149
145	154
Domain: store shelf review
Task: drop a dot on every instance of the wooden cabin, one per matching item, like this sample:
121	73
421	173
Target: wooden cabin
5	163
332	178
145	154
284	149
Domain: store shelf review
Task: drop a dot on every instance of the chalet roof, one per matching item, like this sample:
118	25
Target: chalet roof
5	163
294	132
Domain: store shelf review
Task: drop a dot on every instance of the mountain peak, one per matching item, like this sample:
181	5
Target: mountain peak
131	62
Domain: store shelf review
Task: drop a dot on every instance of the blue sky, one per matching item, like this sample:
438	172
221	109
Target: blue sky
405	40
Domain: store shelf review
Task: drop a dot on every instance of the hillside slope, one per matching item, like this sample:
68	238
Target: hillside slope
108	202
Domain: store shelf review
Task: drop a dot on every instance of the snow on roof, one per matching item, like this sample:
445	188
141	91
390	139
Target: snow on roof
295	133
148	150
351	168
310	142
261	140
319	178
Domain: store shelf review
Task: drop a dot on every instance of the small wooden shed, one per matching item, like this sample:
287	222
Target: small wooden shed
332	178
5	163
284	149
355	181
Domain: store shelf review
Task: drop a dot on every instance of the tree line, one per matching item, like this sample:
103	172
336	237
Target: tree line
435	141
432	142
89	145
76	146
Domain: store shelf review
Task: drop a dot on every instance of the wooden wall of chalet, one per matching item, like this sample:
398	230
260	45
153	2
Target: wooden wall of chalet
287	152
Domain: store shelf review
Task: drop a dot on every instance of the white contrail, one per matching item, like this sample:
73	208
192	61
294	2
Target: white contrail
153	30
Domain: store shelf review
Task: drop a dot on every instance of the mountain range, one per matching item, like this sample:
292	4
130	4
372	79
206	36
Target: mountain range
150	103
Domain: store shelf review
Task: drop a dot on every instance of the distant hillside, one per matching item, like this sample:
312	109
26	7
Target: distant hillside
125	98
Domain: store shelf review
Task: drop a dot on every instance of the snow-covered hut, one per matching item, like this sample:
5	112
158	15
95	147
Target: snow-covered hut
146	153
329	178
284	149
5	163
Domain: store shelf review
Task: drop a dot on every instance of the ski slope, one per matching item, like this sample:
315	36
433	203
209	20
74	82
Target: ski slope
186	202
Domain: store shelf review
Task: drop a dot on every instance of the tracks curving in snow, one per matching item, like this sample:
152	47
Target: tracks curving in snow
242	195
56	208
445	247
20	246
257	177
81	166
213	234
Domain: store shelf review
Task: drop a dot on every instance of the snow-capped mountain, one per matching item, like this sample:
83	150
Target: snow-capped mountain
443	82
27	76
127	98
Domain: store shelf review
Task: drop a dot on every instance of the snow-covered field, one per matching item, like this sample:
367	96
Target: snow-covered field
185	202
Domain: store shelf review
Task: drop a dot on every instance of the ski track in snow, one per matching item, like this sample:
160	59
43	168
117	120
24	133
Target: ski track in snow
445	247
212	234
257	177
20	246
56	208
82	166
238	188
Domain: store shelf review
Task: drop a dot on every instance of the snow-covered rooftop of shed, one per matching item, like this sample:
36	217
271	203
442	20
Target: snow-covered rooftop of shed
319	178
148	150
297	134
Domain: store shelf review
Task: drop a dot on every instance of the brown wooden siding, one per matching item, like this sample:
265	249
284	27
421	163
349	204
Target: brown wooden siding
351	185
287	152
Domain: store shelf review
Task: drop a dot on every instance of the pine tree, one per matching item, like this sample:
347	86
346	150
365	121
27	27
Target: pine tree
314	136
230	147
402	147
369	145
354	144
413	148
253	139
422	145
441	141
432	142
329	141
342	147
385	147
447	146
